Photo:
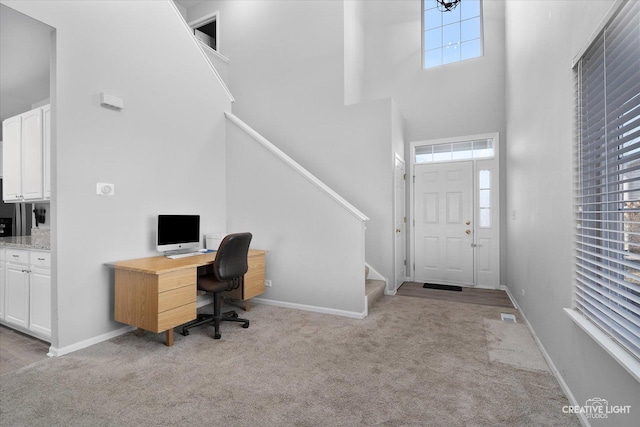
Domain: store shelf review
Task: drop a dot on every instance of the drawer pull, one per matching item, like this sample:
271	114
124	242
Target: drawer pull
41	259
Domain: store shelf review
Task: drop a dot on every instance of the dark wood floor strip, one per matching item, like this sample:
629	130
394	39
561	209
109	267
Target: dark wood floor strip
491	297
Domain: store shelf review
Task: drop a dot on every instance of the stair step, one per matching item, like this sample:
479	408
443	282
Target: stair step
374	290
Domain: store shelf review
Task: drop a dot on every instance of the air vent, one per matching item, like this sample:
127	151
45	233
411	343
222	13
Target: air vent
510	318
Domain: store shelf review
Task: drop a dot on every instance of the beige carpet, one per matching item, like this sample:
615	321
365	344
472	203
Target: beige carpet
411	362
511	344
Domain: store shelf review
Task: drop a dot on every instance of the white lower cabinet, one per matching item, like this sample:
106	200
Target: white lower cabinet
16	294
40	301
27	291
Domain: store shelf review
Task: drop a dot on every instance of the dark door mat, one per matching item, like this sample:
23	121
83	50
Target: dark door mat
442	287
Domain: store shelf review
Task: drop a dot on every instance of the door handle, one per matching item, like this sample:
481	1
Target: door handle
468	231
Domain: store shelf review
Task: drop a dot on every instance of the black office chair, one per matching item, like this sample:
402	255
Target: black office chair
228	273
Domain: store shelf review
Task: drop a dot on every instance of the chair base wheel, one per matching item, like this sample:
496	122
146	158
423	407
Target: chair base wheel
185	332
217	336
245	325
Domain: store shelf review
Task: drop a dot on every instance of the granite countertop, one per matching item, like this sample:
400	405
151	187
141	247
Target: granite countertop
24	242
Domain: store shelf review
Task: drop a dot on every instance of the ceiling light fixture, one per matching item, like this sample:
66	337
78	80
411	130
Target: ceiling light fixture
447	5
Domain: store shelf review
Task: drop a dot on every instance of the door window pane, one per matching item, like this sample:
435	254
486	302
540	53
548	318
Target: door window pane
485	218
485	179
484	198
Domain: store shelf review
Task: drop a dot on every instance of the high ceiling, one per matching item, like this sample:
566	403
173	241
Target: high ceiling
188	3
25	46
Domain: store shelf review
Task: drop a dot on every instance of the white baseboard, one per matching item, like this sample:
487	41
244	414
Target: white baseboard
513	301
312	308
552	367
55	352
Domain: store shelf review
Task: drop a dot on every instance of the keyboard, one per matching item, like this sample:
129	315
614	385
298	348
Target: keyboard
184	255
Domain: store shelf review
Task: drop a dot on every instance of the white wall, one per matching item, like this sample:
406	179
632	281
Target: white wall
165	151
353	51
465	98
542	40
315	246
292	65
24	79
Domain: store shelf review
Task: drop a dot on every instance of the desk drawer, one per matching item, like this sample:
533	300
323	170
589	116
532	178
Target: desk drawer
176	297
176	316
254	279
177	279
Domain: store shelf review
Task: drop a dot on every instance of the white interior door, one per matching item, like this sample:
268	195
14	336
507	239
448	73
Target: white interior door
443	198
400	223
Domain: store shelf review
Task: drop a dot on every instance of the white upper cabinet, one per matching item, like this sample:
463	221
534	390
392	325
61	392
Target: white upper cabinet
46	121
26	156
12	159
32	154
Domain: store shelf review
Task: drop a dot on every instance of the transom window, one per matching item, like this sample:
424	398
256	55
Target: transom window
464	150
451	36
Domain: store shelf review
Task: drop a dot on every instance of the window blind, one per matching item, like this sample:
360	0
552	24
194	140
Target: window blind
607	290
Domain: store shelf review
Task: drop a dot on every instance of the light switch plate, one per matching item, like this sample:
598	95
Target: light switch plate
104	189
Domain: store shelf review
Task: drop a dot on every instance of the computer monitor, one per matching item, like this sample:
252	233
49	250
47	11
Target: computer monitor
178	233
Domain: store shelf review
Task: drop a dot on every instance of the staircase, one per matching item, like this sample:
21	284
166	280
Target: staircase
374	289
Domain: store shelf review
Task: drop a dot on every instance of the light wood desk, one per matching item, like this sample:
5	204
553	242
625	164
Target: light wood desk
157	294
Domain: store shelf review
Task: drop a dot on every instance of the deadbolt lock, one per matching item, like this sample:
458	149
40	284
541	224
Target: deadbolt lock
468	222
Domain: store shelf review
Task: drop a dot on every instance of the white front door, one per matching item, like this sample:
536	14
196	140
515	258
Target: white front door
400	223
444	250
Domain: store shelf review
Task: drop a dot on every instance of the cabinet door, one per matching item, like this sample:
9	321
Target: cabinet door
40	301
46	118
17	295
32	153
11	159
